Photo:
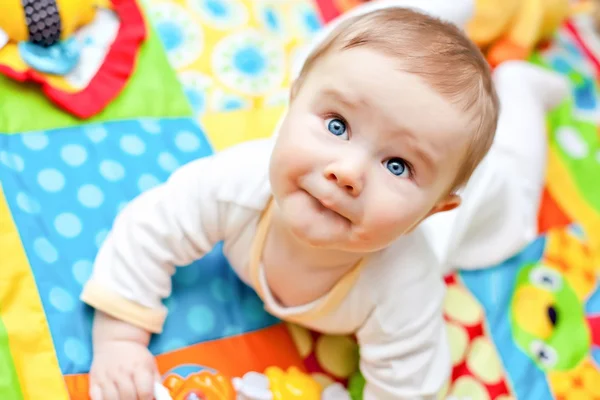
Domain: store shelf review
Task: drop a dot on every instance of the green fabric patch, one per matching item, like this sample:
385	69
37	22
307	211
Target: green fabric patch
584	167
152	91
10	388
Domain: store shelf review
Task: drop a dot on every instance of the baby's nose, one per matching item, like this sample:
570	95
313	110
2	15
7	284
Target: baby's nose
348	178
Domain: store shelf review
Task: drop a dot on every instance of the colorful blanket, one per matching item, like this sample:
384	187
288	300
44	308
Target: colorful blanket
213	73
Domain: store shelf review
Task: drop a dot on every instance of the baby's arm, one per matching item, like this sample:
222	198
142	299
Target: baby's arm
404	353
170	225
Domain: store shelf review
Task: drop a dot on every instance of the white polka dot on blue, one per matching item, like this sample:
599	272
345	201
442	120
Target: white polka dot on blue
45	250
90	196
76	351
12	161
65	187
187	141
68	225
27	203
133	145
35	141
61	299
82	270
51	180
147	182
112	170
73	155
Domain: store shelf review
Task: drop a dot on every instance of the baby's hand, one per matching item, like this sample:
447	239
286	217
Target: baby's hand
123	368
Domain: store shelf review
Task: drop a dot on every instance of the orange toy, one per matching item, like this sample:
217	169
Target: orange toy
204	385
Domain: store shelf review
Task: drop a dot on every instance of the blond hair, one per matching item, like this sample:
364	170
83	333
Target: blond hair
436	51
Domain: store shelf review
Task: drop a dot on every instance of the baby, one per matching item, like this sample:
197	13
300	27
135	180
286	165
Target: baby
346	221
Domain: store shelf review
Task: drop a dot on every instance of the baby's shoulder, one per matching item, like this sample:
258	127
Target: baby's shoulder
242	173
410	260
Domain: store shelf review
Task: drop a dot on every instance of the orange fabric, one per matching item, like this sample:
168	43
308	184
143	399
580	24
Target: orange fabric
233	356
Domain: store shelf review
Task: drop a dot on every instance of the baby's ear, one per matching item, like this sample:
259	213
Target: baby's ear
450	202
294	90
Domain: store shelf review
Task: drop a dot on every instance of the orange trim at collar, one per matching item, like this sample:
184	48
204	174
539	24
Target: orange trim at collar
326	304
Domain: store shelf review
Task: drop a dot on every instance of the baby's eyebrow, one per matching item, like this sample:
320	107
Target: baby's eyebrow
345	98
424	157
409	140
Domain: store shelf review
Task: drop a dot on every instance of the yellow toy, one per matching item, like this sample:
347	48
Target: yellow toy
41	30
511	29
72	15
292	384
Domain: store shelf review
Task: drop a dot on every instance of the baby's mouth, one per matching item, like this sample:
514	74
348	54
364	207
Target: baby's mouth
327	207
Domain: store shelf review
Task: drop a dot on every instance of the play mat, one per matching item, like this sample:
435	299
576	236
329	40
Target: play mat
211	73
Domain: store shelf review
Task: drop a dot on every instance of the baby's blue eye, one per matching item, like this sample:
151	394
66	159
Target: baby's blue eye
396	166
336	126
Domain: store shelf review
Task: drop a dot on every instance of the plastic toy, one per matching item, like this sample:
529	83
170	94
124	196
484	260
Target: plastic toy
203	385
43	30
511	29
292	384
81	52
277	384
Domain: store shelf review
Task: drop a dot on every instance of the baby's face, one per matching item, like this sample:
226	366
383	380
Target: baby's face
365	153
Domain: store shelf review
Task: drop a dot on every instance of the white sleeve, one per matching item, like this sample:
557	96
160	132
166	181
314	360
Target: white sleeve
170	225
404	353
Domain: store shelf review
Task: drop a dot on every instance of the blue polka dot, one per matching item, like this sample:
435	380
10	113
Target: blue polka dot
112	170
233	103
171	34
67	225
311	21
133	145
172	344
271	19
61	299
196	99
90	196
35	141
12	161
147	182
150	126
96	133
101	237
201	319
187	141
253	309
51	180
82	270
44	249
73	154
76	351
217	8
168	162
221	290
250	61
28	204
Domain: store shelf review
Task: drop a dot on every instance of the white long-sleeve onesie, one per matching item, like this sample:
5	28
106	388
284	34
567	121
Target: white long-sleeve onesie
393	303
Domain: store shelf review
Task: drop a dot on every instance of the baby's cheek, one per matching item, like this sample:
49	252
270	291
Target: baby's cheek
393	216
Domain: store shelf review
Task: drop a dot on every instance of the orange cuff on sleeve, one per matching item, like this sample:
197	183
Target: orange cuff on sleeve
124	309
